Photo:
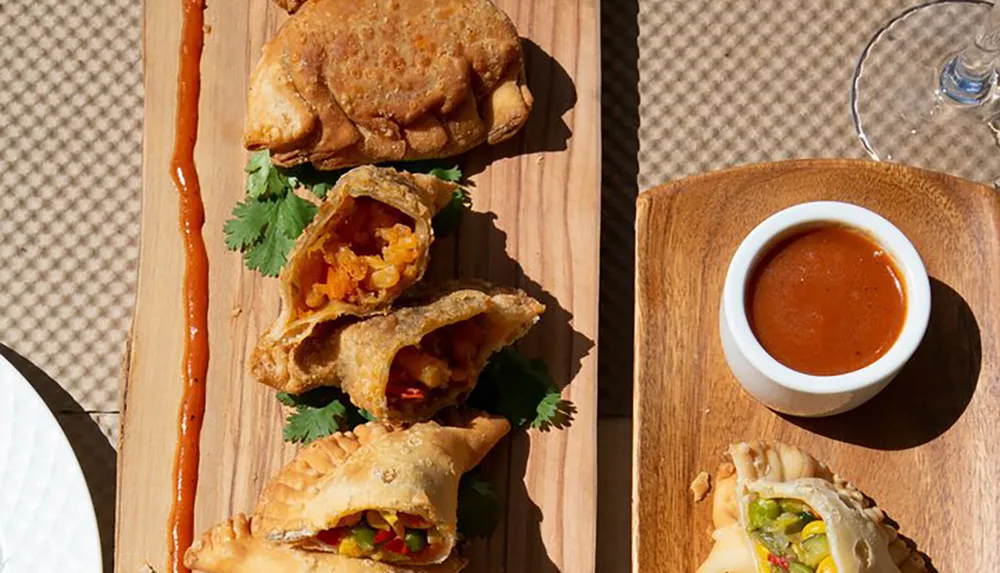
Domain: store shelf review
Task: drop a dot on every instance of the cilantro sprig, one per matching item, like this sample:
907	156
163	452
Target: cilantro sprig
270	217
319	413
265	225
521	390
452	174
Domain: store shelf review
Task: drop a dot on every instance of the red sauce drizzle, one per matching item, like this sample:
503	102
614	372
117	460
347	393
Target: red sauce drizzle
192	219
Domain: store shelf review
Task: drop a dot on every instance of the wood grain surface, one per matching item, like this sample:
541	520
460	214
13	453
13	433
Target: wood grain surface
925	448
536	203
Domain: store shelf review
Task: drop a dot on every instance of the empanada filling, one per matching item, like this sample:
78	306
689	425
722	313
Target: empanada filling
442	364
371	251
384	535
789	537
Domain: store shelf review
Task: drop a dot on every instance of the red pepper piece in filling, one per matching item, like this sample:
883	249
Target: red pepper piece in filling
779	561
398	546
412	394
405	392
332	536
385	535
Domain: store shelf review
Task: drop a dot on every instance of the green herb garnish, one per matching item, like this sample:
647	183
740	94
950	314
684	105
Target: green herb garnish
269	219
522	391
318	413
452	174
271	216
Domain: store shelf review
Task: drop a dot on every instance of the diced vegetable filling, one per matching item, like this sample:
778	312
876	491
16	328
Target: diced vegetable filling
381	534
789	537
371	251
443	362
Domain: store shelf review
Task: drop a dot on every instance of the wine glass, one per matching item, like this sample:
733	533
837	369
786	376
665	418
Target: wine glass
925	89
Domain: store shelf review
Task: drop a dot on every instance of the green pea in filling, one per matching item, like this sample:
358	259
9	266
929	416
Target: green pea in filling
776	526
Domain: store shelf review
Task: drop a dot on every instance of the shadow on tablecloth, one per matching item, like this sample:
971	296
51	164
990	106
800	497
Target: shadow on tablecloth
91	446
619	189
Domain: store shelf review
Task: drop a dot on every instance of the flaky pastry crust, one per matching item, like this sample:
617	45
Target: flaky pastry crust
345	83
862	539
414	470
283	357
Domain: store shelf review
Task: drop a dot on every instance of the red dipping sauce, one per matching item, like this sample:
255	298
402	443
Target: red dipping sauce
826	300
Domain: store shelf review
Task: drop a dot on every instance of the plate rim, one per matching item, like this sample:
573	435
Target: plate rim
73	472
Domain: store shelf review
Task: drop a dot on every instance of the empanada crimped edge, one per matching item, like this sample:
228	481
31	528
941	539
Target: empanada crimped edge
229	547
862	537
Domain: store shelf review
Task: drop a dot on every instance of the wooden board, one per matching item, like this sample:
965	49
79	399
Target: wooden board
924	448
537	212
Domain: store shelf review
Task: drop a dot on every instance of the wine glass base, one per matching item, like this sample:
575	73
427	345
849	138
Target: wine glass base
899	111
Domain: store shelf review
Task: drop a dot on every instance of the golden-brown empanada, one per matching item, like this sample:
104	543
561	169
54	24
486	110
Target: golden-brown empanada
417	359
345	83
229	547
778	508
392	484
367	244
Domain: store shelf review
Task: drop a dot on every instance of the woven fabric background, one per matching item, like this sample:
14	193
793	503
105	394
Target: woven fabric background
70	183
725	83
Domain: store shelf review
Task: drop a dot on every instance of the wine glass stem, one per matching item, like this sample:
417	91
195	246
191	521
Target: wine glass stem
970	76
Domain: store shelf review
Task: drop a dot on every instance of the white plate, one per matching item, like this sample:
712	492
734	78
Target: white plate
47	521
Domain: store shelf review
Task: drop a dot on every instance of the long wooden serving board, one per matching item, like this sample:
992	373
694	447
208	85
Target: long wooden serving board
924	449
535	219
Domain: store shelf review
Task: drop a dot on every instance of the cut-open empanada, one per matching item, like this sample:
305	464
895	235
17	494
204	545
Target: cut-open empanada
777	509
414	360
380	493
418	359
345	83
229	547
367	244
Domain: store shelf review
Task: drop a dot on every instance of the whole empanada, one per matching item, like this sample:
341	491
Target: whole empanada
778	508
345	82
397	482
367	244
229	547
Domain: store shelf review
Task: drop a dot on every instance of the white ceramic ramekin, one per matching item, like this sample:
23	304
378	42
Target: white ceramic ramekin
778	386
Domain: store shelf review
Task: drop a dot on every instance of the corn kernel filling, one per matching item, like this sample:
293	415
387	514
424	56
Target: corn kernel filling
788	537
371	251
382	535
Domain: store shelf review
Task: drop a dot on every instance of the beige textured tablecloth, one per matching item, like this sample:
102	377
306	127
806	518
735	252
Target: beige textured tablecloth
689	86
70	174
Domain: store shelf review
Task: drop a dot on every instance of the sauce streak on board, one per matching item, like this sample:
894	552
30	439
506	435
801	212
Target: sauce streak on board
826	301
192	219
